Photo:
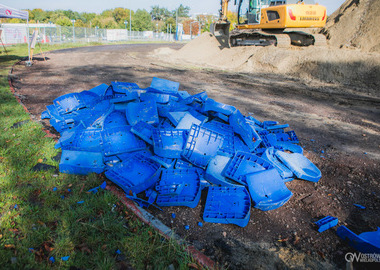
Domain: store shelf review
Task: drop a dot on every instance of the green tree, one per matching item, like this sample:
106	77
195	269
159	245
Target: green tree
159	14
170	21
142	21
183	11
63	21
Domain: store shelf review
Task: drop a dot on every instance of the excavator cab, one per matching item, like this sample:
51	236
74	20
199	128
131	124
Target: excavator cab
249	11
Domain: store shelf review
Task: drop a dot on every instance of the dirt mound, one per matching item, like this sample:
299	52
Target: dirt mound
327	65
355	25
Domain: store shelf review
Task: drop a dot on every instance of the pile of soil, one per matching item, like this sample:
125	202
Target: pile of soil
355	25
327	65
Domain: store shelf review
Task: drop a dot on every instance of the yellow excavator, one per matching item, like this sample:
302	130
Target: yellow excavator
266	22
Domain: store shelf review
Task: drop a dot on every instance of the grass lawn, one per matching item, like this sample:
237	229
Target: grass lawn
40	217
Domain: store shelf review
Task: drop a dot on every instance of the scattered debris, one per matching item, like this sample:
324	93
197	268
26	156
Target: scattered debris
44	167
169	145
359	206
66	258
19	124
326	223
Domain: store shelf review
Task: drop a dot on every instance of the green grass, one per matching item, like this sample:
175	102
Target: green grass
45	224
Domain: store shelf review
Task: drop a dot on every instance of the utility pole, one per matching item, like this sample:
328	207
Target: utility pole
130	23
176	24
73	21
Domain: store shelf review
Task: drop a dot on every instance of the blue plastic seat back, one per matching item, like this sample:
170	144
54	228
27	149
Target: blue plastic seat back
80	162
175	117
165	162
142	111
365	242
124	87
68	103
268	190
228	205
115	119
157	97
187	121
169	143
136	173
121	140
285	172
289	136
244	163
164	86
100	90
228	146
300	165
212	105
202	144
214	171
144	131
246	132
179	187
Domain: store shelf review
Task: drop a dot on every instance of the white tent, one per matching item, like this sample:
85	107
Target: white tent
8	12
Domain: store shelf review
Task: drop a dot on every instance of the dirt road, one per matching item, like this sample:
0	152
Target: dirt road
339	131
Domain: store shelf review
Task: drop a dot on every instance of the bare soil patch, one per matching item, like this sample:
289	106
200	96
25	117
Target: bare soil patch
338	120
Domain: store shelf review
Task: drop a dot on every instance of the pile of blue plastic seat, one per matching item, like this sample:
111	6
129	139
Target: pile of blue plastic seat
165	146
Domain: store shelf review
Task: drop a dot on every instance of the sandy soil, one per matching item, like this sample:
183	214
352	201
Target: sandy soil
357	70
338	120
355	25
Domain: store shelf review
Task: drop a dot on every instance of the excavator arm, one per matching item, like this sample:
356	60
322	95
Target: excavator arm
221	29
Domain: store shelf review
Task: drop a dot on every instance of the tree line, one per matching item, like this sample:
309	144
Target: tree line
157	19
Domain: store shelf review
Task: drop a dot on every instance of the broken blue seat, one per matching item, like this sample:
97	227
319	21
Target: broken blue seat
212	105
267	189
142	111
187	121
100	90
136	173
326	223
122	89
300	165
163	86
228	146
120	140
175	117
214	171
246	131
228	205
75	101
169	143
88	140
269	155
289	136
179	187
367	242
165	162
244	163
80	162
144	131
202	144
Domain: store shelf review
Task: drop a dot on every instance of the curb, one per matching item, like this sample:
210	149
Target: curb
141	213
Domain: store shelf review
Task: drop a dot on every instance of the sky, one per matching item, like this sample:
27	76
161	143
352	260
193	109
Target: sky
97	6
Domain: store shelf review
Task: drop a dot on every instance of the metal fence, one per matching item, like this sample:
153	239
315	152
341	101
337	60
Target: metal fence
51	33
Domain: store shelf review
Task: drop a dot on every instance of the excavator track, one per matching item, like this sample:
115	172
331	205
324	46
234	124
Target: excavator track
303	38
278	38
258	38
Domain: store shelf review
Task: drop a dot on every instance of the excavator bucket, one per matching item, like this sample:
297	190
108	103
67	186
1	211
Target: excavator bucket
222	33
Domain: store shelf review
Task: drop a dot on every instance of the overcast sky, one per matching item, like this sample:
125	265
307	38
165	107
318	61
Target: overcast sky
197	6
